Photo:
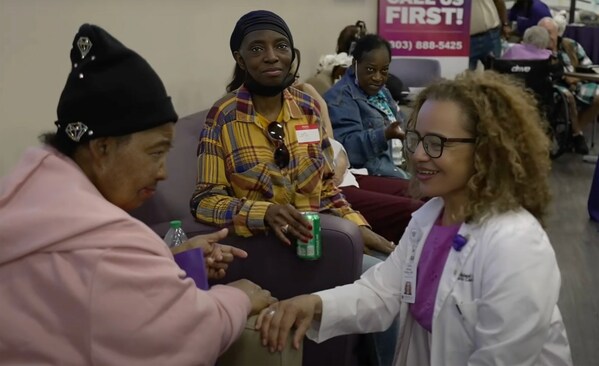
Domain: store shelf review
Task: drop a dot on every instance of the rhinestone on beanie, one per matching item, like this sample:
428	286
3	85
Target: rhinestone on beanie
103	70
76	130
84	45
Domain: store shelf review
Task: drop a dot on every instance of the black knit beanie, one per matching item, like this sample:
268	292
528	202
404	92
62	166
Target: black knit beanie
110	91
258	20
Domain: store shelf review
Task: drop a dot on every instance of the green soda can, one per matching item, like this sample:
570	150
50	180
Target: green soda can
310	250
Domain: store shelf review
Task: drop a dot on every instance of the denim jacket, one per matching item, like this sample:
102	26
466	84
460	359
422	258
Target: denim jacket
360	127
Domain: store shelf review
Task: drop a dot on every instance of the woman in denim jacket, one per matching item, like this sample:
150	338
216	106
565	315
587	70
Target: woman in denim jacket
364	116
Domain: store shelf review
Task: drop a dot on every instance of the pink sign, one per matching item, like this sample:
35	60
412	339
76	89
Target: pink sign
426	27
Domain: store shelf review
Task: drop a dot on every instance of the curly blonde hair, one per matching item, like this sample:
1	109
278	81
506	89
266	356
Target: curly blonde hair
511	156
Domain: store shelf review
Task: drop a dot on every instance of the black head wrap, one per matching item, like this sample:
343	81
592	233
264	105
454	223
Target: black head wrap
258	20
254	21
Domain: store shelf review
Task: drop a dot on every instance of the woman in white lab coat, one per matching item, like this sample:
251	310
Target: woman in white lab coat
474	278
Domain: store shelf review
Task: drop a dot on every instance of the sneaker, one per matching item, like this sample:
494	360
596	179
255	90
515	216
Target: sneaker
580	145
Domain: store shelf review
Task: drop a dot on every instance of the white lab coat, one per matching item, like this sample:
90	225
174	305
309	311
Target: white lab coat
505	282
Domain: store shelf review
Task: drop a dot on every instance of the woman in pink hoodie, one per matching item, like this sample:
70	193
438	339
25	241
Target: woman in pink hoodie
84	283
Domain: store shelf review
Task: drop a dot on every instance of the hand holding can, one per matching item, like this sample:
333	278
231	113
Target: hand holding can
311	249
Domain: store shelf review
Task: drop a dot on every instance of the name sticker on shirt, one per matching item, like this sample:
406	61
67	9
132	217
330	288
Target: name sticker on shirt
307	134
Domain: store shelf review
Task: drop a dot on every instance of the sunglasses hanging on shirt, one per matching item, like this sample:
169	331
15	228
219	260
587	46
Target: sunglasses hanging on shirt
276	132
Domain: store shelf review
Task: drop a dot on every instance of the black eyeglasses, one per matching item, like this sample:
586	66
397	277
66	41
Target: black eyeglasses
433	144
277	133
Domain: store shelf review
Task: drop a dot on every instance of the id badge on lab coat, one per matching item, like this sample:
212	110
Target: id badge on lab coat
408	293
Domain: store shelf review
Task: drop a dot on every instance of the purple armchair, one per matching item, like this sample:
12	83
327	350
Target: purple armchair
270	263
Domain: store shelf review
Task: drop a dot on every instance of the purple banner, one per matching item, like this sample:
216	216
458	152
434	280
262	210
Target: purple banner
426	27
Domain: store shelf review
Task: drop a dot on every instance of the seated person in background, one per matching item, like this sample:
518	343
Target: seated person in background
471	254
386	208
365	118
349	35
82	281
347	41
561	19
533	47
527	13
571	54
330	69
254	171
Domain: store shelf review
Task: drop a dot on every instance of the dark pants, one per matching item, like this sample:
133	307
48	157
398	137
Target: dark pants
384	202
484	44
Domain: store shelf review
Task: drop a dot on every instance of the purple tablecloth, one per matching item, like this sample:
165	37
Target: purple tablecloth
588	37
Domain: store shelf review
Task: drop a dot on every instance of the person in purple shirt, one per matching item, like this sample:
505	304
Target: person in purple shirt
474	279
533	47
528	13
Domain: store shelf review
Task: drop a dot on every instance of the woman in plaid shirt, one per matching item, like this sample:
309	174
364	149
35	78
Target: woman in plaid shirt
264	155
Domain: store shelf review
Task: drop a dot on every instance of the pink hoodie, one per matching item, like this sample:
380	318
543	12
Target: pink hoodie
82	282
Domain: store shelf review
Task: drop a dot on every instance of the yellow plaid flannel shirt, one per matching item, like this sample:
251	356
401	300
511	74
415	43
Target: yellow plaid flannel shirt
238	178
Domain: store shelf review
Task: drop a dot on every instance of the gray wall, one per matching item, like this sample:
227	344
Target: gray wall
186	41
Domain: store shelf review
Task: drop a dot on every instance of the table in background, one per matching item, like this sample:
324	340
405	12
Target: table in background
588	37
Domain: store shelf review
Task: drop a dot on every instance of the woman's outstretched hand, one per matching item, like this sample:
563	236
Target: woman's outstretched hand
275	322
